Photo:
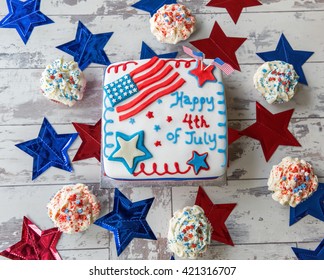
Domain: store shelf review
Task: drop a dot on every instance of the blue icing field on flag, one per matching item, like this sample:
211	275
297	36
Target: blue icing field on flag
120	89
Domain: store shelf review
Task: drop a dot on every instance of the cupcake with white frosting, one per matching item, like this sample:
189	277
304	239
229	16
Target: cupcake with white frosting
189	232
63	82
292	181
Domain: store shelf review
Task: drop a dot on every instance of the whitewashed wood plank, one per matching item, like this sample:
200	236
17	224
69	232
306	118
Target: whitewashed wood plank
121	46
247	160
257	218
99	7
31	201
20	92
310	245
158	219
23	103
16	166
250	252
89	254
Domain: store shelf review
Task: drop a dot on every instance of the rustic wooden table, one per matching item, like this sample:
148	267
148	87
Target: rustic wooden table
258	225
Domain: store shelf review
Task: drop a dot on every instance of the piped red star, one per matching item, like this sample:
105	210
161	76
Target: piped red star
169	119
234	7
35	244
158	143
271	130
91	141
203	73
219	45
217	214
150	115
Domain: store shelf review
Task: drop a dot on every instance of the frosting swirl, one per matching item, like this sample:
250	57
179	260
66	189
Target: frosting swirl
276	81
292	181
189	232
63	82
74	208
172	23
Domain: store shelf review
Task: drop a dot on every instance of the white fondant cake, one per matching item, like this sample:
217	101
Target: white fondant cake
164	119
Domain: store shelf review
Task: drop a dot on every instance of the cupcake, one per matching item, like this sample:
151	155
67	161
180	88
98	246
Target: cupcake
74	208
172	23
63	82
292	181
189	232
276	81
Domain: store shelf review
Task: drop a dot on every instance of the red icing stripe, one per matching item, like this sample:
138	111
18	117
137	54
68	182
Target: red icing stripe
156	78
145	66
158	95
150	73
166	170
146	93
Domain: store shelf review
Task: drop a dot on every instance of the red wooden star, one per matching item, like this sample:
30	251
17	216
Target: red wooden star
233	135
203	73
217	214
35	244
91	141
234	7
219	45
150	115
271	130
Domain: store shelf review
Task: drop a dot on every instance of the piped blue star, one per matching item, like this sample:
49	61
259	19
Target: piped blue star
147	52
284	52
131	120
157	127
127	220
314	206
24	16
152	6
49	149
130	150
303	254
198	162
87	47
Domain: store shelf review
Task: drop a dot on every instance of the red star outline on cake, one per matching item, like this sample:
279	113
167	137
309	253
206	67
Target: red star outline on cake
219	45
91	141
217	215
35	244
234	7
203	73
271	130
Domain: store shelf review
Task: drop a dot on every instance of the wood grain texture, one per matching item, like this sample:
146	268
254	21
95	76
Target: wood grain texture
258	225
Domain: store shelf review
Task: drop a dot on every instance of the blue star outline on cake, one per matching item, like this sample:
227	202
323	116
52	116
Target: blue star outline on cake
152	6
127	220
147	52
198	162
130	150
303	254
49	149
24	17
285	52
314	206
87	48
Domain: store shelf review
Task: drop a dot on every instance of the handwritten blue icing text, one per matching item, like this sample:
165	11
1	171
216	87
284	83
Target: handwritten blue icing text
193	102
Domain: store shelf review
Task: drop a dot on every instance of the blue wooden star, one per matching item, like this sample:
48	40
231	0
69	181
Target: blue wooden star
314	206
147	52
198	162
87	47
130	150
49	149
152	6
284	52
303	254
127	220
24	16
